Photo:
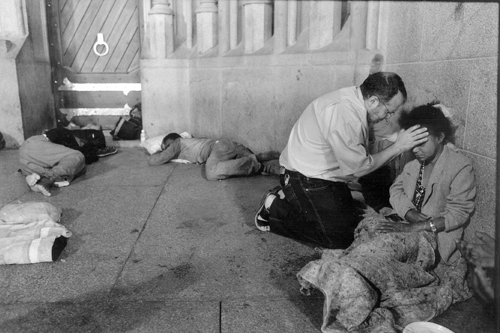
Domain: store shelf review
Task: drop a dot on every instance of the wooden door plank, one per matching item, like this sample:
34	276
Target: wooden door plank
87	45
81	32
134	65
66	10
110	21
123	43
72	26
129	54
126	16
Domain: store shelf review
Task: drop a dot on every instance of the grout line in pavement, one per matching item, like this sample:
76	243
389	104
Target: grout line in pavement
138	236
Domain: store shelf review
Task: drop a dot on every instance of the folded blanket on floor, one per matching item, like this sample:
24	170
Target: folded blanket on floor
29	233
383	282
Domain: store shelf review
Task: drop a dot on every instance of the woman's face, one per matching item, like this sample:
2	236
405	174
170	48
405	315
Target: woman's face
429	150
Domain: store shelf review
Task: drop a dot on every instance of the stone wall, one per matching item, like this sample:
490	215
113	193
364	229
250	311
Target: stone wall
34	74
254	100
11	125
25	84
236	80
13	33
449	52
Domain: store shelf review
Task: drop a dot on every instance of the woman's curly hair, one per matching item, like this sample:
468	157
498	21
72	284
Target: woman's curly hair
431	117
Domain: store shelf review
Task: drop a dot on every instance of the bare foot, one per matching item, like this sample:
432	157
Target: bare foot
32	179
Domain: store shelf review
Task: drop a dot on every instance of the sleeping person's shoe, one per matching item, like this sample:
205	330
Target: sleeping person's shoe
106	151
43	186
271	167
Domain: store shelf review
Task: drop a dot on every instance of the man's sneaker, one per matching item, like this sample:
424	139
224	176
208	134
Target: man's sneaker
262	216
106	151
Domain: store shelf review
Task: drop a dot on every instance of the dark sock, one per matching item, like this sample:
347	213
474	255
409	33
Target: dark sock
261	168
59	245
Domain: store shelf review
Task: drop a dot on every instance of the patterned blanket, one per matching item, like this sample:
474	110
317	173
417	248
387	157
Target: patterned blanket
383	282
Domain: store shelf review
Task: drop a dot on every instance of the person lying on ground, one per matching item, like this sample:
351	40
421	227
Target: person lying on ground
326	150
404	267
222	158
57	157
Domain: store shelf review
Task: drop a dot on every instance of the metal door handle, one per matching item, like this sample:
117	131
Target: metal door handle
100	41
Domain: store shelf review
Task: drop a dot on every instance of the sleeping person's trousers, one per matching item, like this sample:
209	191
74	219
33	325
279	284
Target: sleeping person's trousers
38	155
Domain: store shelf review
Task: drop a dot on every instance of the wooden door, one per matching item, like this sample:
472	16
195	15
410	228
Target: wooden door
95	58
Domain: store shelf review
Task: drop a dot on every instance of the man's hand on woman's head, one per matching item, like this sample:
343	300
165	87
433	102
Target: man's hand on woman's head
411	137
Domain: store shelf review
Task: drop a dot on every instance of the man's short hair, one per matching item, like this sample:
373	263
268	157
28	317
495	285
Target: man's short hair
170	136
384	85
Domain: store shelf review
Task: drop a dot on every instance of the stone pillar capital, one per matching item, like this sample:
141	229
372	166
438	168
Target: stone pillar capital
161	7
257	2
207	6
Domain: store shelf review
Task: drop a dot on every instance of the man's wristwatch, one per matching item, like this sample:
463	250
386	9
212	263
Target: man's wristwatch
433	226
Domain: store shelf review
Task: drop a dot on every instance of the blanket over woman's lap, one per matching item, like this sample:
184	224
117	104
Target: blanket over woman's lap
383	282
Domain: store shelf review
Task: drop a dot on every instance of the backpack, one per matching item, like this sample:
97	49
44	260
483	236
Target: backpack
129	128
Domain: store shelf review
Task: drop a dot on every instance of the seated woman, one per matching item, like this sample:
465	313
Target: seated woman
404	267
436	191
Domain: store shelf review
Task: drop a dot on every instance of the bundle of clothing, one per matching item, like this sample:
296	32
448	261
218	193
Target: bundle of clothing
30	233
86	141
383	282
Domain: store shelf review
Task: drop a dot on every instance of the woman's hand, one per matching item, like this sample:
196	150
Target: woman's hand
389	226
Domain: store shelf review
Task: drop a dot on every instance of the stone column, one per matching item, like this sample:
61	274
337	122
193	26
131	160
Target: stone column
13	34
224	26
359	13
160	30
207	25
292	22
258	18
188	13
13	28
324	22
280	25
233	18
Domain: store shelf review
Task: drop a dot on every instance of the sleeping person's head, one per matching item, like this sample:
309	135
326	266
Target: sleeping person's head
168	139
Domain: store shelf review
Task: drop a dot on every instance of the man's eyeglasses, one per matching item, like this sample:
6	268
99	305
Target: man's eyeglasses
389	113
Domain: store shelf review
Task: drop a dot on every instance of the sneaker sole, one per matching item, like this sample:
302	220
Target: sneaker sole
263	225
107	154
61	183
40	189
